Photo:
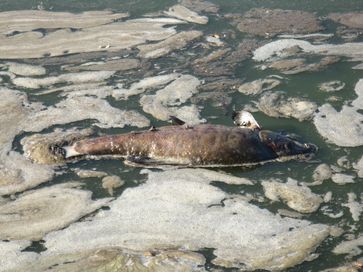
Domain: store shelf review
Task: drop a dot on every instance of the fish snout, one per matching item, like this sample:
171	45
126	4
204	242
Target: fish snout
310	150
285	146
291	147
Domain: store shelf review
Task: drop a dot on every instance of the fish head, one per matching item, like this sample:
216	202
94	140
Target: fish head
286	147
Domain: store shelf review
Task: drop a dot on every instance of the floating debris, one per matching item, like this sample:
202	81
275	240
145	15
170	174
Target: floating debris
178	91
342	179
214	64
111	259
354	206
344	162
62	41
314	36
12	254
109	65
224	84
348	34
183	13
33	214
82	108
325	210
177	41
27	20
224	61
332	86
174	212
97	89
175	93
82	173
350	267
16	172
189	114
200	5
258	86
200	175
75	78
297	197
269	22
289	213
275	104
350	129
214	40
218	99
275	48
112	182
143	85
288	65
358	102
295	66
350	19
359	167
358	66
22	69
351	247
328	197
322	172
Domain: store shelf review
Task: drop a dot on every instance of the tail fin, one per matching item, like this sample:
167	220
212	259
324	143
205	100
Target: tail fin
70	152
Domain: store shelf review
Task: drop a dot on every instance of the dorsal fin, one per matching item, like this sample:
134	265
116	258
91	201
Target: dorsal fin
245	119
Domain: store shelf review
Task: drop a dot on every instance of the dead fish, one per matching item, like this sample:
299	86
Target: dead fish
204	145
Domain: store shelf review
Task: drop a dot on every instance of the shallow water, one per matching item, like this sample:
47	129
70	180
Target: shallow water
302	85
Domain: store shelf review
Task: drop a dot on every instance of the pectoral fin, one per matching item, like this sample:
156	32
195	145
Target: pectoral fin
138	161
146	162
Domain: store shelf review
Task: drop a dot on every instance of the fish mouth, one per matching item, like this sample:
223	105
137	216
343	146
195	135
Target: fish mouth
308	152
304	148
311	148
300	152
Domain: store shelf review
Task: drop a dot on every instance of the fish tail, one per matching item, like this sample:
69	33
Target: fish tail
69	151
63	151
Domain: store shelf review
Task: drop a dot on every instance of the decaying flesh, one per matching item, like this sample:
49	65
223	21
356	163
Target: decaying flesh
201	145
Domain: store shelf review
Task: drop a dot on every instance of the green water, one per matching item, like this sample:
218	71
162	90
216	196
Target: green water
301	85
141	6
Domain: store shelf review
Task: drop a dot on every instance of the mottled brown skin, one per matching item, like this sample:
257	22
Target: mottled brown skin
198	145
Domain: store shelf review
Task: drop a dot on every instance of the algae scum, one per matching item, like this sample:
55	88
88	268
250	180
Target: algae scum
75	69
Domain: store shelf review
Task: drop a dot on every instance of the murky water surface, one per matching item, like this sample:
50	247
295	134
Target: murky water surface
107	113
